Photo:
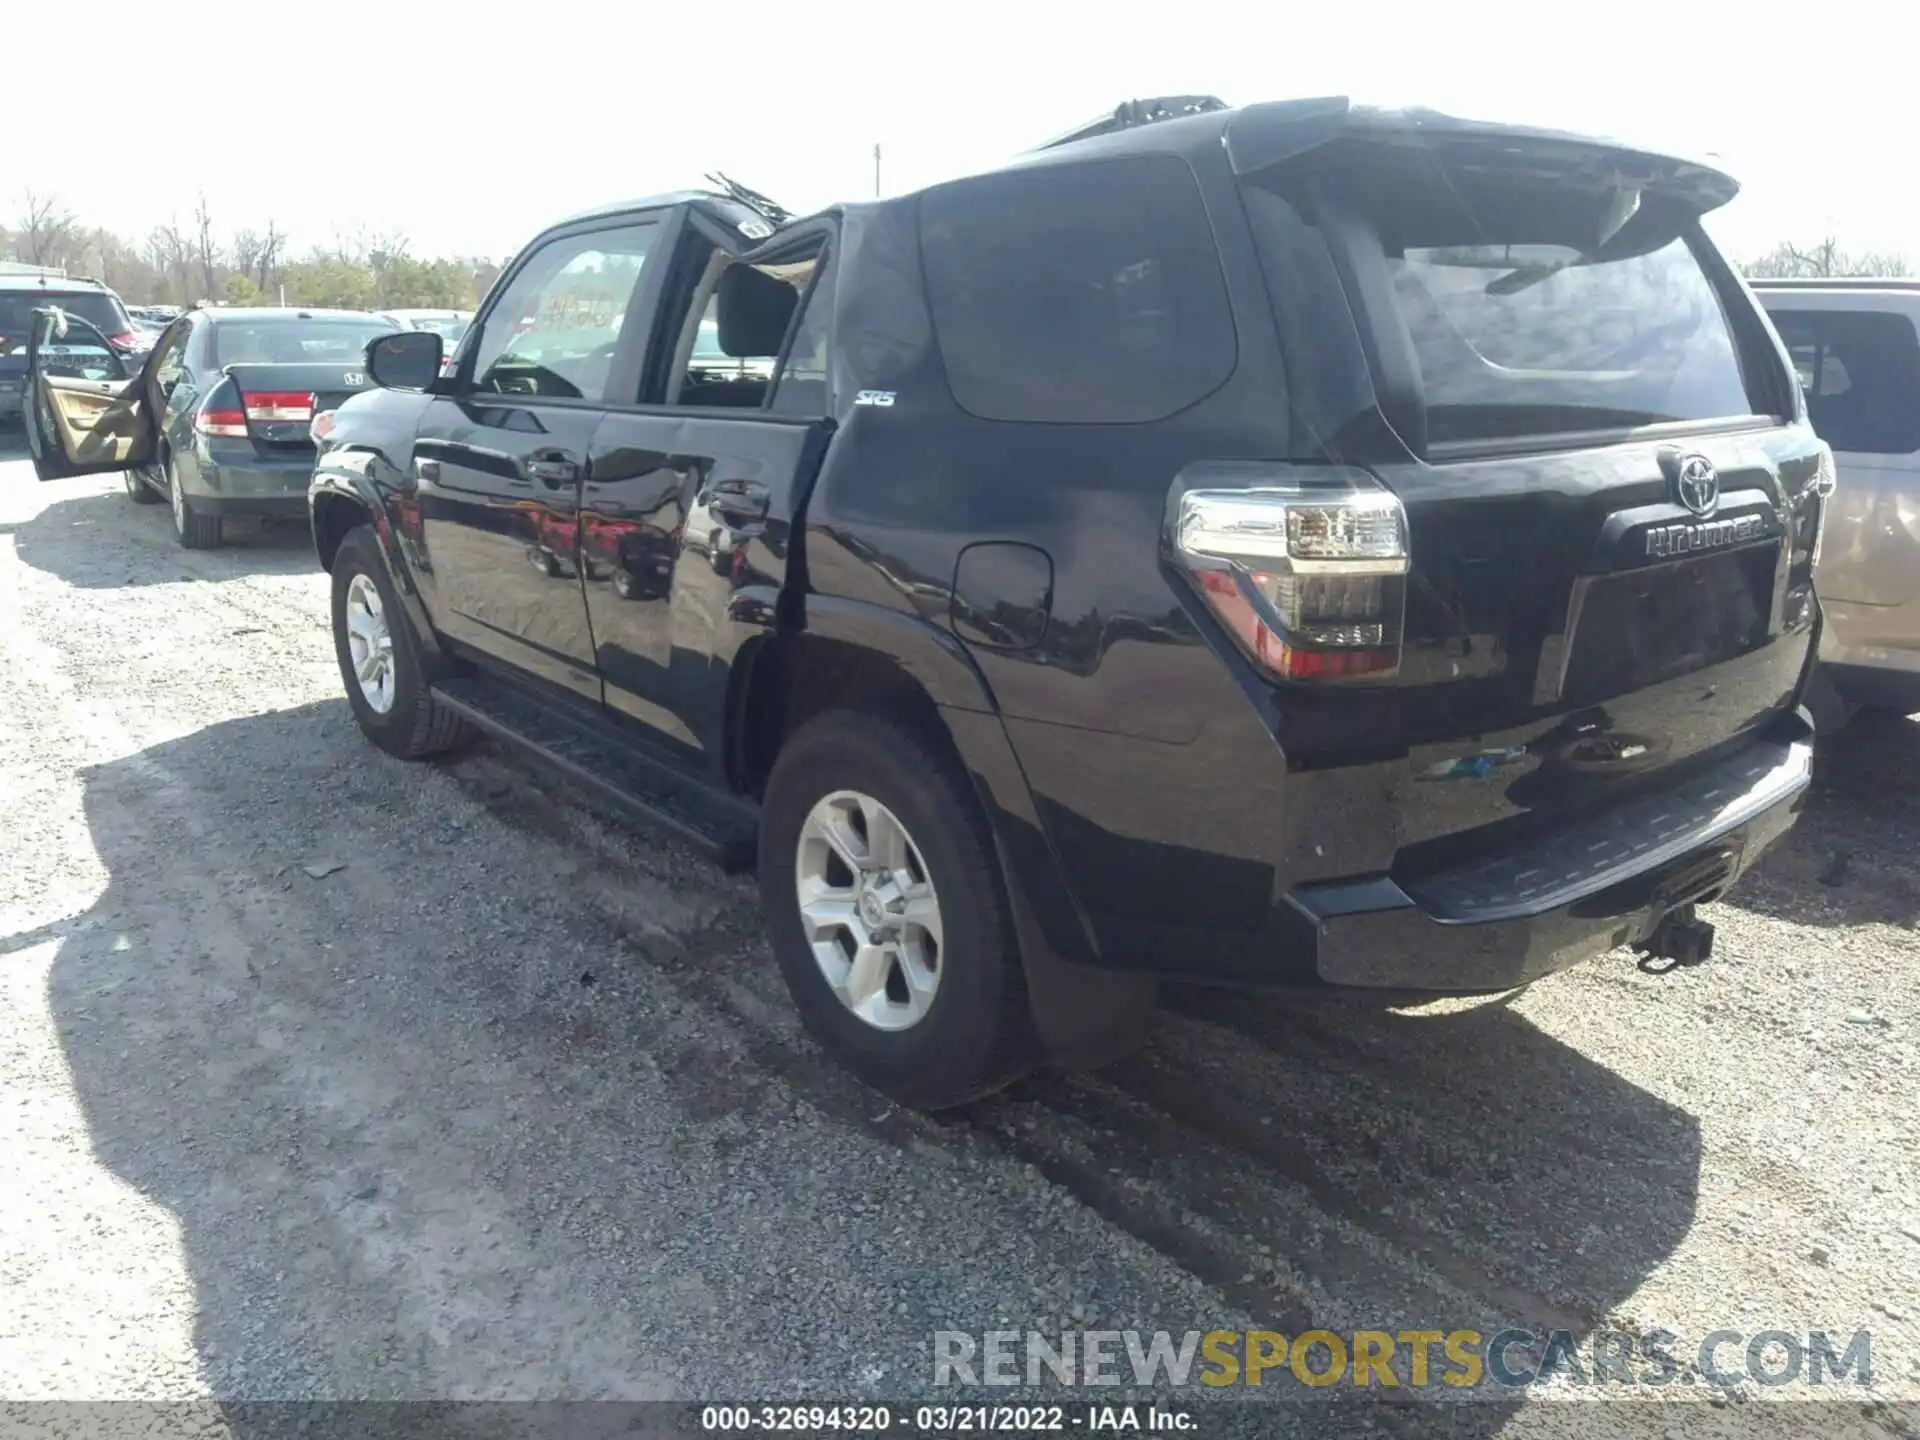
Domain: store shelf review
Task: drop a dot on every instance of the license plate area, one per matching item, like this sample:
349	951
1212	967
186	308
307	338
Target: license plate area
1637	628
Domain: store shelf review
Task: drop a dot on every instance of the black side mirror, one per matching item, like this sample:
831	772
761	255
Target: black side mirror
406	360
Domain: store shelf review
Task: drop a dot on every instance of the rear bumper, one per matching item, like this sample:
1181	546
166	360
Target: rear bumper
1872	652
1511	918
272	489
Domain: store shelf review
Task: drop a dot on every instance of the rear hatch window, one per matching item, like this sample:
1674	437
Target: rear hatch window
1532	296
1530	338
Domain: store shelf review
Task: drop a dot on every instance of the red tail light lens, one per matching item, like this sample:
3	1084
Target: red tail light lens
125	340
267	405
1825	481
221	422
1305	566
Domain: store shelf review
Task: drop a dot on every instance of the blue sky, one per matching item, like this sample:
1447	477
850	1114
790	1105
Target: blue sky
469	127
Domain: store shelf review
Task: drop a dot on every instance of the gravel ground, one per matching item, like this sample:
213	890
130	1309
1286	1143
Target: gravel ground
331	1077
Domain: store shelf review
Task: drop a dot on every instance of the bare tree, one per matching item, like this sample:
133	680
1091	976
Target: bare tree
1823	258
46	230
171	254
385	252
204	250
245	250
271	245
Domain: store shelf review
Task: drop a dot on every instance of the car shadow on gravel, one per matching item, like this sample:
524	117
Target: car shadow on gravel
1849	860
1291	1144
105	541
1412	1172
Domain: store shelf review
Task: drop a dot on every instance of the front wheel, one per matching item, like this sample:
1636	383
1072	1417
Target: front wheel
379	661
889	918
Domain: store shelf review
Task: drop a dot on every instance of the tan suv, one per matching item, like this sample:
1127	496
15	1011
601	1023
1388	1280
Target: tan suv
1857	350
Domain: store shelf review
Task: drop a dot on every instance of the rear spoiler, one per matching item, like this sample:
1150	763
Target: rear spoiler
1138	112
1259	137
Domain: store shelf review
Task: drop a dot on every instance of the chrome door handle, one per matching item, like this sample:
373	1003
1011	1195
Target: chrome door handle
553	473
739	501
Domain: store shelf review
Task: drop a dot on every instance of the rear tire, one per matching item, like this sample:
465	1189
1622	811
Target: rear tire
975	1035
138	490
194	530
413	724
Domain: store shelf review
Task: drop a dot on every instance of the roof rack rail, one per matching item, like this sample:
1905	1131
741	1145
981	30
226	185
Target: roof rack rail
1135	113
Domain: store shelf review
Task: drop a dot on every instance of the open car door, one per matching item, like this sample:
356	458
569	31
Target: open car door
84	414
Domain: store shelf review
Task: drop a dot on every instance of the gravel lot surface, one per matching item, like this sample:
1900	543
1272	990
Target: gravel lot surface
327	1076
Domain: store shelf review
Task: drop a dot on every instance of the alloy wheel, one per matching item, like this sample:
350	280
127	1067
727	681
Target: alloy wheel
176	498
869	910
370	644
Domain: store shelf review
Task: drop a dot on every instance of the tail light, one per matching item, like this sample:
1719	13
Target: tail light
321	427
217	420
126	342
264	405
1305	567
221	413
1818	492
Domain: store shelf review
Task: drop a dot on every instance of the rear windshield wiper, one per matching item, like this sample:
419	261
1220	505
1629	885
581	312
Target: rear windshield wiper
1528	276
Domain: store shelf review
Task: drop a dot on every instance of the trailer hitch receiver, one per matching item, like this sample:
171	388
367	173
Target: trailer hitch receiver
1681	938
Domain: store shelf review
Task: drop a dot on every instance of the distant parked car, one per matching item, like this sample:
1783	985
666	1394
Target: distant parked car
236	391
449	325
21	295
1857	350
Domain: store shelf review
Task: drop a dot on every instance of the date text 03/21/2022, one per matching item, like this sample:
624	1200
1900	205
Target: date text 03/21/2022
945	1419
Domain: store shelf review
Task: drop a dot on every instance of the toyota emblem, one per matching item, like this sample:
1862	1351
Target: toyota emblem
1697	485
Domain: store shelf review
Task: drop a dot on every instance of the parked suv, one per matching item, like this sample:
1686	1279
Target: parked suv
21	295
1855	346
1297	545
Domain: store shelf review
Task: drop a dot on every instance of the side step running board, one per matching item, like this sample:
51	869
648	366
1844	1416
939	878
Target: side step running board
722	827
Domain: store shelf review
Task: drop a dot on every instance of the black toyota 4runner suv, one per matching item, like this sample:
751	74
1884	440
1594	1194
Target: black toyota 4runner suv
1296	545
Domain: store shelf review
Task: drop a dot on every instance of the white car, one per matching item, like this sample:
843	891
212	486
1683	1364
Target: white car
450	325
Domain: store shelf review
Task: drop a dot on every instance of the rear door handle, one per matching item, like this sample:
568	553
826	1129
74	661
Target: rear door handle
553	473
739	500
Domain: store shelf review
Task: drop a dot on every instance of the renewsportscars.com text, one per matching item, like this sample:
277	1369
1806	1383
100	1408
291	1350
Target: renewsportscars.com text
1447	1360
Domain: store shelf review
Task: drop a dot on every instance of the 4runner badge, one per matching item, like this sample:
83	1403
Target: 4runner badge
1669	541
